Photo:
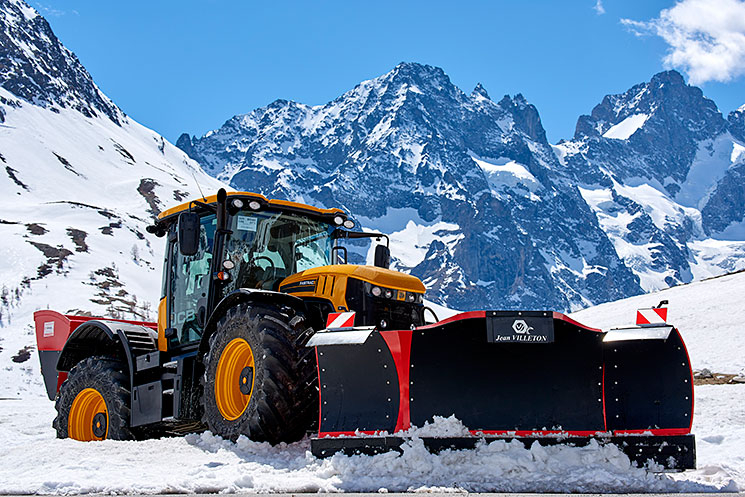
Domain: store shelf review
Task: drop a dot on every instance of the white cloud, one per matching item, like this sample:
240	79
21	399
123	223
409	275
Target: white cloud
599	7
706	38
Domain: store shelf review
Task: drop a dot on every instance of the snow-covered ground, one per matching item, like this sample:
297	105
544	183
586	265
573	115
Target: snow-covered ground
34	461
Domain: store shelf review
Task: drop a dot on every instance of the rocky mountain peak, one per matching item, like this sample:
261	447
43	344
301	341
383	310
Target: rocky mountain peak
526	117
416	73
659	166
480	91
408	85
670	77
37	68
665	101
473	177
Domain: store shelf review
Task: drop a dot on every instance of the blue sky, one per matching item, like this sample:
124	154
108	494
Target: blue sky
189	66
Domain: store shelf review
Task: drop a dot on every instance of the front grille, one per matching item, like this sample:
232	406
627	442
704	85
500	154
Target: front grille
385	313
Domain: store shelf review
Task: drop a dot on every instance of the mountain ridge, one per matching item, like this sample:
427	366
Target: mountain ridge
410	139
478	203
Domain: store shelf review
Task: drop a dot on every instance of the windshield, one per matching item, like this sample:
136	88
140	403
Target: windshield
266	247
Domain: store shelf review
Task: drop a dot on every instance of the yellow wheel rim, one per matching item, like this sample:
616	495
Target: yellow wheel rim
89	418
234	382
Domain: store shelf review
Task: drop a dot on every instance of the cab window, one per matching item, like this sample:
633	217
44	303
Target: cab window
190	280
266	247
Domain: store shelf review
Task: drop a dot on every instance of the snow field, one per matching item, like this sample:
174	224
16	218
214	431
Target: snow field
708	313
33	461
627	127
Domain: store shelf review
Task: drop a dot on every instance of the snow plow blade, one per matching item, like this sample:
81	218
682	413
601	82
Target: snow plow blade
508	374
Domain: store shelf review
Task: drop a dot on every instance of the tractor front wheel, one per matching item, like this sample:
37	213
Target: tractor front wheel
260	379
93	403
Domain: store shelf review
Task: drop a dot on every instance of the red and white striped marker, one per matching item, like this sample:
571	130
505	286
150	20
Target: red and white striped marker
655	315
340	320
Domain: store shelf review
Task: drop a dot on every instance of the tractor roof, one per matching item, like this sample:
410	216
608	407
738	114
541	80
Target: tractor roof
271	203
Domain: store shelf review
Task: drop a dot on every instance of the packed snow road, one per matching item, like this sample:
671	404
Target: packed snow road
33	461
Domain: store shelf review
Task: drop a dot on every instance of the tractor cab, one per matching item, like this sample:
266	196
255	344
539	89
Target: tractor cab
244	244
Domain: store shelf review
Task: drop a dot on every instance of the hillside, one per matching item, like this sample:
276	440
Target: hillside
80	181
708	313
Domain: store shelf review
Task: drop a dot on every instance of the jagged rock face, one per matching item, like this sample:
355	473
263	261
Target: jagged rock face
736	121
726	204
652	130
477	175
36	67
661	168
635	201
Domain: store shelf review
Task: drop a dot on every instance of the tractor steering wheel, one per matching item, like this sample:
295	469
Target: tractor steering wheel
271	264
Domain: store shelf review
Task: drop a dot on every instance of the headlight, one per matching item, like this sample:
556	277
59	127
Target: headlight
393	294
254	205
338	220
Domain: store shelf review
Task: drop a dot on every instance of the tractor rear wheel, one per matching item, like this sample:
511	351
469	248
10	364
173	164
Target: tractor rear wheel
93	403
260	379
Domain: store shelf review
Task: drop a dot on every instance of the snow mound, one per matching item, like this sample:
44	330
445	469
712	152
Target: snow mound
441	427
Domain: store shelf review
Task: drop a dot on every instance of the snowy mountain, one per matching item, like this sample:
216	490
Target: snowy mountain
466	185
663	171
80	181
648	194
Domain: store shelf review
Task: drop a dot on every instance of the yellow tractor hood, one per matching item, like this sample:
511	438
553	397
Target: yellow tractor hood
371	274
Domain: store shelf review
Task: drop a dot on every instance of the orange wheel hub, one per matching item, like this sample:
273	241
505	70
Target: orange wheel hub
89	417
234	379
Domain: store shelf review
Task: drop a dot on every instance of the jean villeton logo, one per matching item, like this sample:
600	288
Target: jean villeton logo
521	327
522	333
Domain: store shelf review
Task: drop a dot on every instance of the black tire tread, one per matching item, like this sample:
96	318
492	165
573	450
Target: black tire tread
284	402
106	375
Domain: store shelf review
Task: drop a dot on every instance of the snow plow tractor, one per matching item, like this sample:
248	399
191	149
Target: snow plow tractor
265	330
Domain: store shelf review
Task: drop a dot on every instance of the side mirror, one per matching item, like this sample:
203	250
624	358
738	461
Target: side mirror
188	233
382	256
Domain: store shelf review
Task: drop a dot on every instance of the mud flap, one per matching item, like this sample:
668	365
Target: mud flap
52	378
